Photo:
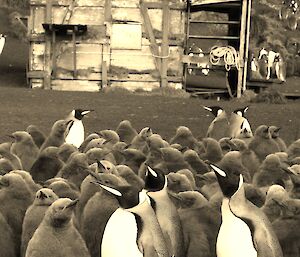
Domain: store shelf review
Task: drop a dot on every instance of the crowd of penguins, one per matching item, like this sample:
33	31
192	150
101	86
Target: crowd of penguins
129	193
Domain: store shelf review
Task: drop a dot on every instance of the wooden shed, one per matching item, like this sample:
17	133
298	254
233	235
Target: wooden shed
87	45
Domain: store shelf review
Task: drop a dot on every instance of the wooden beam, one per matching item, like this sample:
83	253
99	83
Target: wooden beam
107	11
247	44
74	52
214	37
150	34
104	75
49	12
242	48
165	43
172	6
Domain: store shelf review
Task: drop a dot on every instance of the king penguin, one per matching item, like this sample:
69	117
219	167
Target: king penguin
75	133
141	234
165	210
245	229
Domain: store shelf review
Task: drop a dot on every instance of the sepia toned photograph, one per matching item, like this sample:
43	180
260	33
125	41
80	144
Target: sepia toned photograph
149	128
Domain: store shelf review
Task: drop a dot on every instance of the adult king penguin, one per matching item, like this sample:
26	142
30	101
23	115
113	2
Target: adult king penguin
245	229
75	133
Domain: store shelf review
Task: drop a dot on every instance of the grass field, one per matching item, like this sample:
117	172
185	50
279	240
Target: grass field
21	107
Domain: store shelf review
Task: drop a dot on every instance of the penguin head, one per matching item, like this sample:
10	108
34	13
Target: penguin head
126	195
242	111
60	212
79	113
215	110
155	180
45	196
21	136
263	132
178	182
229	182
60	126
146	132
274	131
109	135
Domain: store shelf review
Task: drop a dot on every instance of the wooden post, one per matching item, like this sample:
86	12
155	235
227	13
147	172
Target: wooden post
53	73
150	34
247	44
165	43
104	75
242	49
74	52
48	47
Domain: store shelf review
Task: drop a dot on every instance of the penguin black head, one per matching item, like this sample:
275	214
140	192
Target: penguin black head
215	110
229	182
241	111
79	113
155	180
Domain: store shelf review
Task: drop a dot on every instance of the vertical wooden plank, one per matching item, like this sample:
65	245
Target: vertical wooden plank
107	11
150	34
49	11
74	52
165	43
247	44
53	74
242	48
47	63
104	75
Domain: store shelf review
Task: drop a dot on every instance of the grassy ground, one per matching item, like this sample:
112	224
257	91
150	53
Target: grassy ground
21	107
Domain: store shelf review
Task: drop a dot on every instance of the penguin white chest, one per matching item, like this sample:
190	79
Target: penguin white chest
120	236
234	238
75	135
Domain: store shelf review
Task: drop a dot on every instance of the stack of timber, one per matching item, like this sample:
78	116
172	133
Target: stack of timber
87	45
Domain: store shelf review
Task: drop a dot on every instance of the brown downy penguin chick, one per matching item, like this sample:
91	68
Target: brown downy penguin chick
47	165
98	154
35	214
213	152
274	131
57	134
126	132
65	151
25	148
190	175
64	189
134	239
197	164
95	143
56	235
178	183
117	150
208	184
15	198
165	210
76	169
184	137
245	229
293	149
271	172
226	145
232	162
249	159
86	141
285	227
6	239
131	177
139	142
255	195
5	166
133	158
294	173
200	224
275	194
34	187
37	135
110	136
96	213
262	143
172	160
6	153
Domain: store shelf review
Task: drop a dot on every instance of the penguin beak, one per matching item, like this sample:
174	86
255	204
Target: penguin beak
86	112
72	204
43	195
151	171
207	108
107	188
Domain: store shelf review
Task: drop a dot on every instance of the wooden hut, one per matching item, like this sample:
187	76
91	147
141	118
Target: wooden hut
87	45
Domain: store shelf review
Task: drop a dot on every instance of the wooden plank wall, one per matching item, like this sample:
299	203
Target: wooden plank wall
131	68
